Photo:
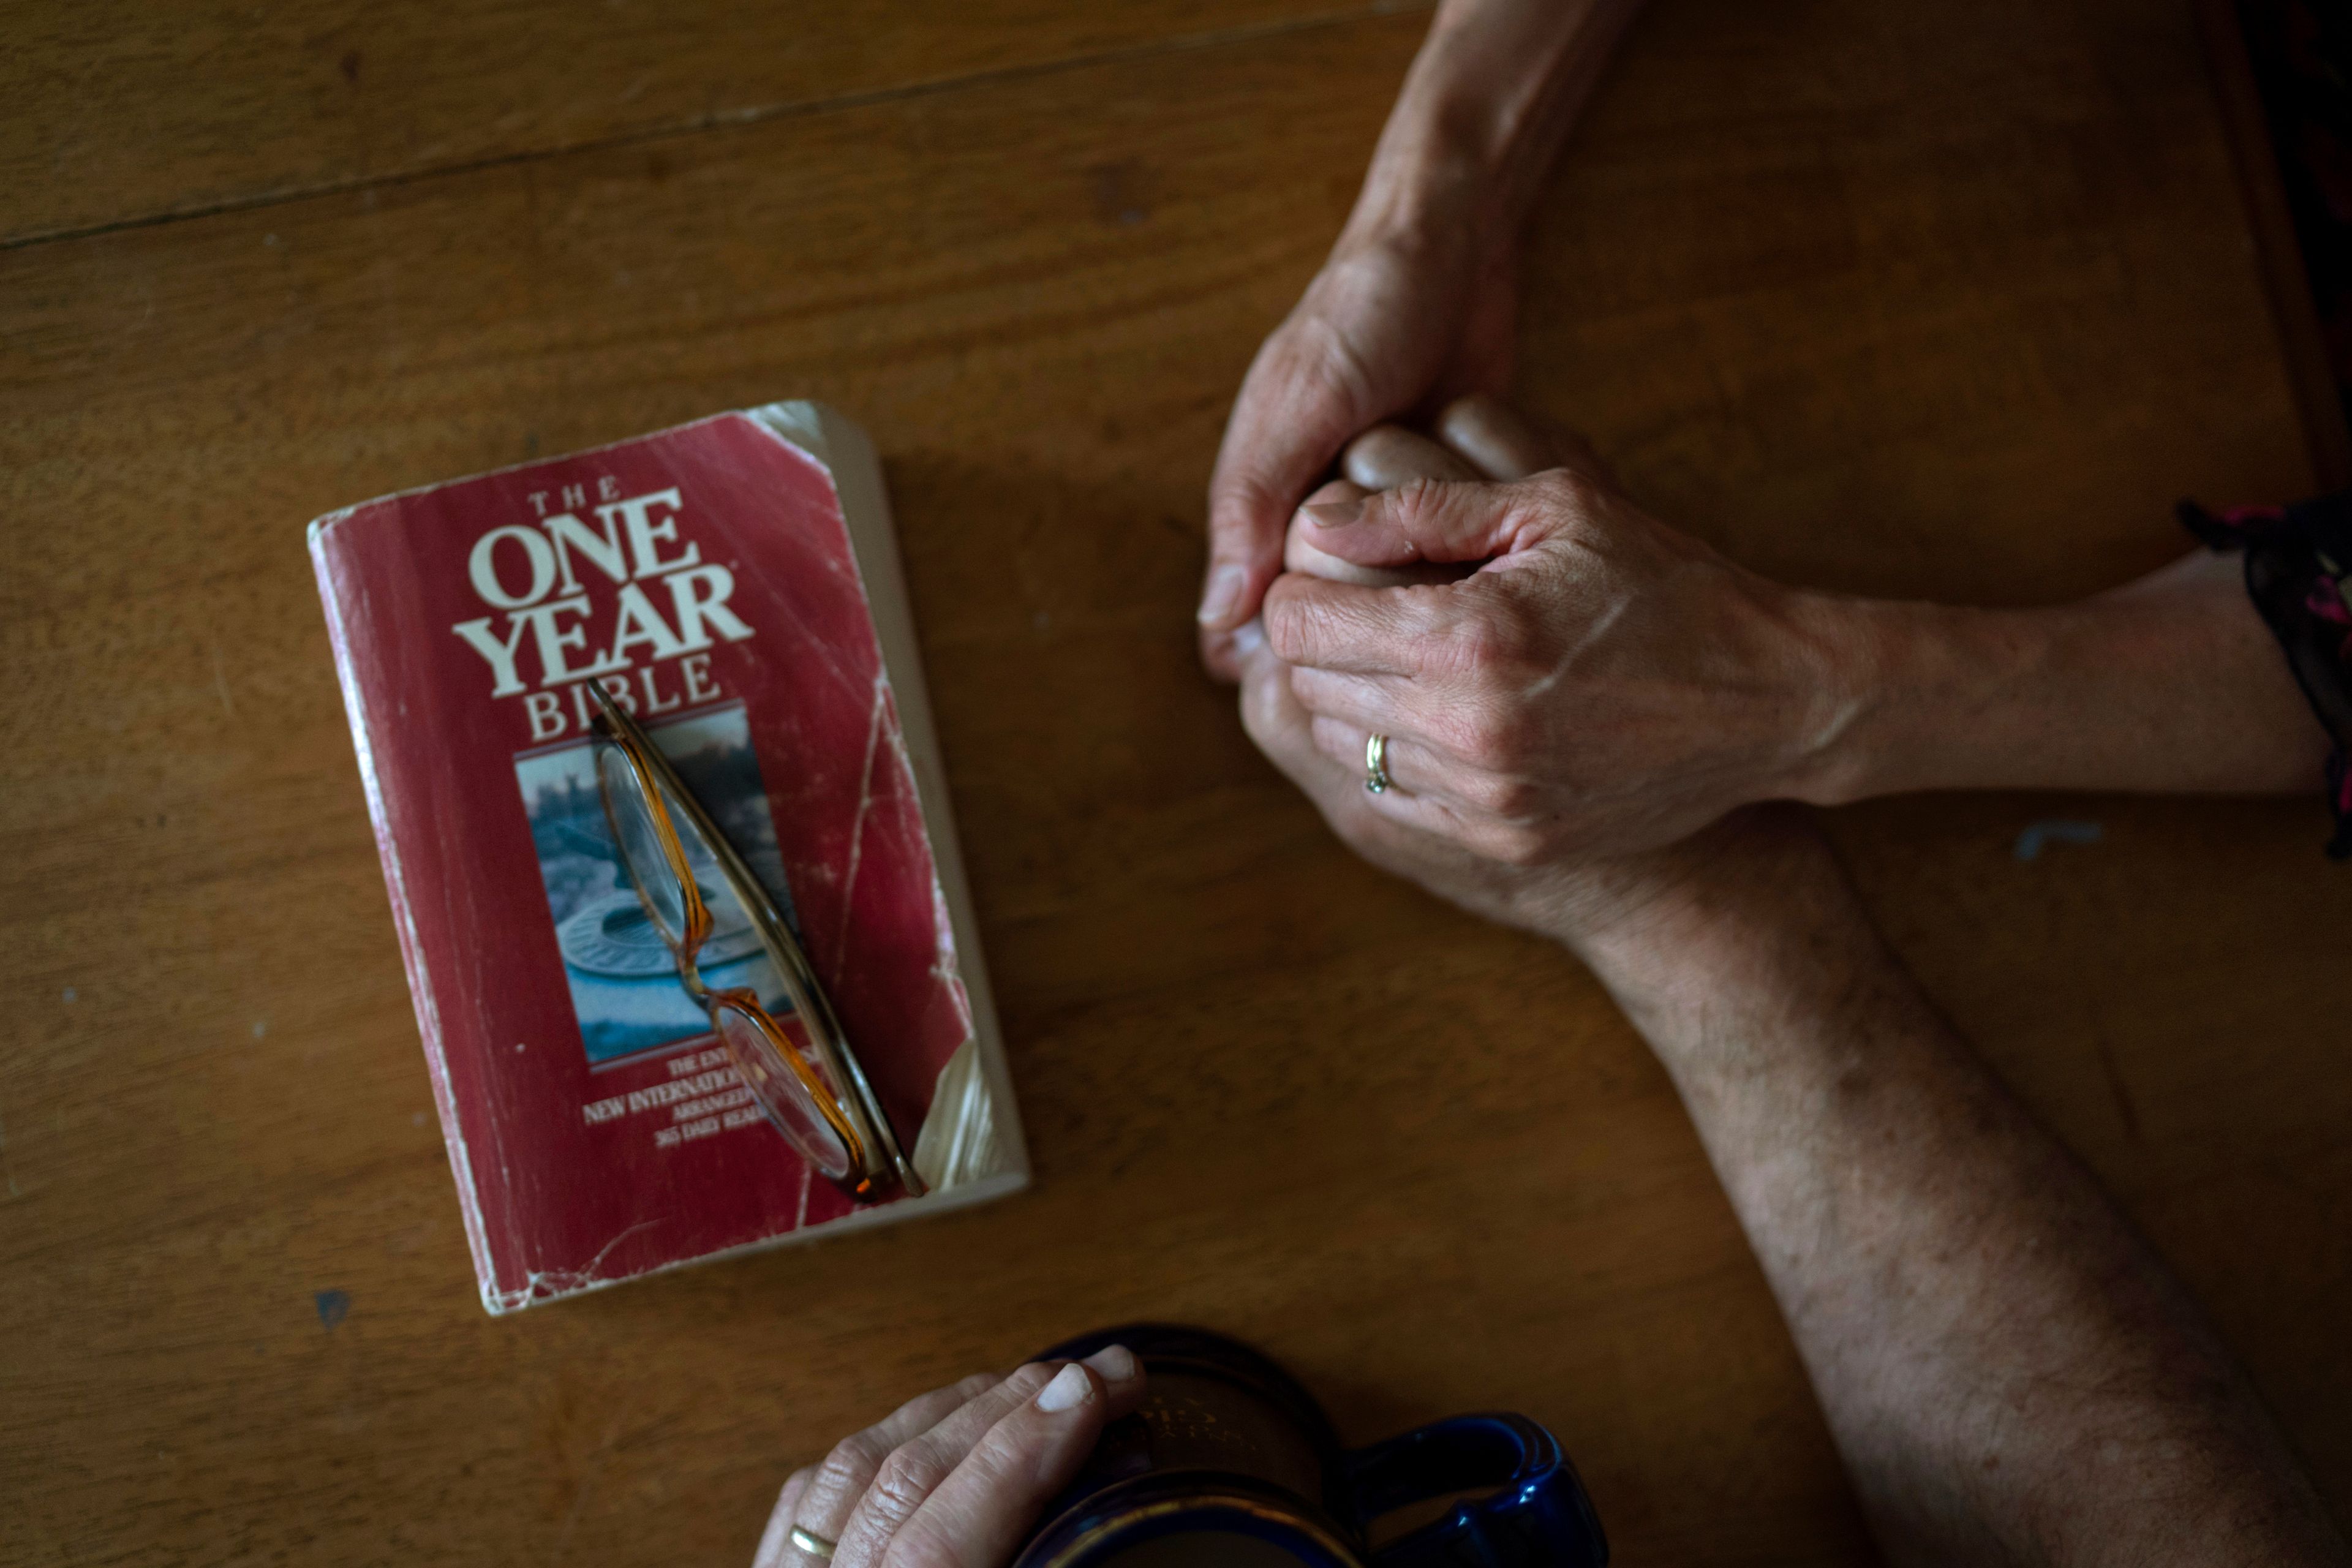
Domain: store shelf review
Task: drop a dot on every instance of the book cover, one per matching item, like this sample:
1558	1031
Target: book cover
733	585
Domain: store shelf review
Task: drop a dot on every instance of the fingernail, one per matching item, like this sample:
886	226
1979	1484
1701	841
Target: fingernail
1335	513
1116	1362
1248	638
1223	592
1070	1388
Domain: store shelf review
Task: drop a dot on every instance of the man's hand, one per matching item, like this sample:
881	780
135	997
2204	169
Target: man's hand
1571	903
1417	302
1599	686
955	1479
1406	311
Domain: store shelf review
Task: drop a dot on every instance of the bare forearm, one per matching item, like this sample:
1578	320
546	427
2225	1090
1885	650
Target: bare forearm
2008	1369
2171	684
1489	99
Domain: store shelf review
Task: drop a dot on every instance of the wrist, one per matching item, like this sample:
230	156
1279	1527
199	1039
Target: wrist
1806	694
1898	689
2169	684
1431	183
1490	96
1704	919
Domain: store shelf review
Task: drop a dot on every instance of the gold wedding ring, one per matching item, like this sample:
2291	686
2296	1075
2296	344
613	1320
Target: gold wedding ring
816	1545
1376	764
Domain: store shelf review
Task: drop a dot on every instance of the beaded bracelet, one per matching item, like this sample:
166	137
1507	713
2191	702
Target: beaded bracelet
2294	573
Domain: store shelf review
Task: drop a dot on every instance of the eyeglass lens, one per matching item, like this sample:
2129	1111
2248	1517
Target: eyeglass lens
642	852
778	1088
754	1040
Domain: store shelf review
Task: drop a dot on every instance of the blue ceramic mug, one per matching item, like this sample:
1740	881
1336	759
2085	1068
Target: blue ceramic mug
1229	1462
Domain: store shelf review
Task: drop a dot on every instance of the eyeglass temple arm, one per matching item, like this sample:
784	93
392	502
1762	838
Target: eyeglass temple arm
791	961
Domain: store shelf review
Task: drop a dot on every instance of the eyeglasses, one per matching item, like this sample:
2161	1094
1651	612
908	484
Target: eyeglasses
800	1069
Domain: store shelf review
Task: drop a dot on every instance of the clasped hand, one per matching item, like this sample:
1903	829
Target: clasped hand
1584	684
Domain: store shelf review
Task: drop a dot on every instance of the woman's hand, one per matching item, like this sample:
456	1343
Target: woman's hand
1574	900
955	1479
1600	685
1571	903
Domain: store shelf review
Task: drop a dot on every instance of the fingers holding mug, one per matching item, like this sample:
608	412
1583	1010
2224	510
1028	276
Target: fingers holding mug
974	1480
819	1502
979	1514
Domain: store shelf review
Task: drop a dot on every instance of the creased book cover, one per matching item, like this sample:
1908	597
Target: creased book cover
733	583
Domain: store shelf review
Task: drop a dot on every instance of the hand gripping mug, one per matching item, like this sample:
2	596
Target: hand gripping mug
1231	1463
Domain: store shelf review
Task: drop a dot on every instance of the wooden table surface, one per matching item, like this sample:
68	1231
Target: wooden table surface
1940	299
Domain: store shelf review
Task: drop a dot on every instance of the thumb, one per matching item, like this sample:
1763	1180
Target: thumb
1259	481
1444	521
1286	426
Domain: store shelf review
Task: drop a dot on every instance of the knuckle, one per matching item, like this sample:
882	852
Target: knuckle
1492	737
1455	649
1486	746
1499	796
1475	792
852	1463
1565	492
1027	1379
1517	844
1487	645
1288	629
917	1414
1461	734
911	1475
1416	500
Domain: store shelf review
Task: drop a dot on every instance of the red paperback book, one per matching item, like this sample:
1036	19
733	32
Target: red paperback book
734	584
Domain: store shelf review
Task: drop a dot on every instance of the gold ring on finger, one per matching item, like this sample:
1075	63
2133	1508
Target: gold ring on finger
1376	766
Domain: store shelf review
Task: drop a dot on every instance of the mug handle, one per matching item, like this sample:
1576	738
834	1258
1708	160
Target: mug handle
1537	1516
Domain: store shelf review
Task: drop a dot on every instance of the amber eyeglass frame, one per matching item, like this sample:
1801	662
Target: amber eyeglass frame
878	1168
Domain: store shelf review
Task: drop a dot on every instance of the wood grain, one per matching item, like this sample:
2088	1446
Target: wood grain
1936	300
126	111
